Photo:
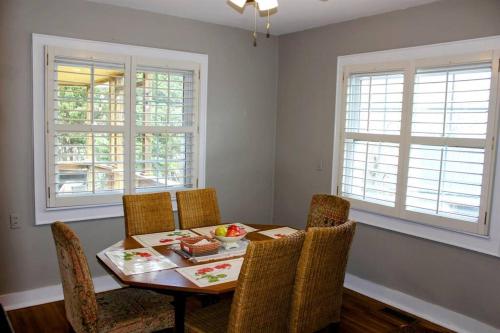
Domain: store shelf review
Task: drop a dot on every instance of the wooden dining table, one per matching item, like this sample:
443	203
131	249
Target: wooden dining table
169	281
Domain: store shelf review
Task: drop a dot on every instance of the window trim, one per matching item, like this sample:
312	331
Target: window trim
429	55
44	215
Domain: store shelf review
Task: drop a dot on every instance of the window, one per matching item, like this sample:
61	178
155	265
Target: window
417	140
117	119
105	139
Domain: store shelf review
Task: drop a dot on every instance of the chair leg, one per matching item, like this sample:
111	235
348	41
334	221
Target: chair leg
333	327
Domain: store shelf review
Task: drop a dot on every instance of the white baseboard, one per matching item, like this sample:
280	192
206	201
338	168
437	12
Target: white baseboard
431	312
23	299
434	313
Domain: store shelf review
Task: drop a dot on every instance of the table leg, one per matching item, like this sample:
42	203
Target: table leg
180	311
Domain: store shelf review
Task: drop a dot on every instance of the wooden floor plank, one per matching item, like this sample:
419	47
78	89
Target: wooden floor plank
360	314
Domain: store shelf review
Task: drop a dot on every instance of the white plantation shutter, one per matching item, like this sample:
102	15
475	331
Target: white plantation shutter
417	142
86	130
166	128
448	141
105	138
372	127
445	181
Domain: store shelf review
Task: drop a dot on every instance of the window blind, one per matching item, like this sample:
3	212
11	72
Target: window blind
445	181
452	102
374	103
372	127
450	112
166	128
118	124
370	171
88	92
87	141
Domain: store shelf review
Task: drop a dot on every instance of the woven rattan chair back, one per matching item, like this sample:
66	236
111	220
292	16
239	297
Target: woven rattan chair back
79	297
148	213
198	208
262	298
327	211
317	295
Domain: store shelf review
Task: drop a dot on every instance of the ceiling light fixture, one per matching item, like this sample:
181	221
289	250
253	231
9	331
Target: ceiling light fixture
258	5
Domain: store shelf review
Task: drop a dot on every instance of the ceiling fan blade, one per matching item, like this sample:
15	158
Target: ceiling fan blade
266	4
239	3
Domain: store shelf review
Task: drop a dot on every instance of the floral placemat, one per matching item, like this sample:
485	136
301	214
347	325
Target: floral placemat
163	238
141	260
205	231
279	232
213	273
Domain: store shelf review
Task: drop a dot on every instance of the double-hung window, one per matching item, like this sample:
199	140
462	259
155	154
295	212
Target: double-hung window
117	123
417	139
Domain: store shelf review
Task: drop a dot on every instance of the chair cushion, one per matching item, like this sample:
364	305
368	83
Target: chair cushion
134	310
210	319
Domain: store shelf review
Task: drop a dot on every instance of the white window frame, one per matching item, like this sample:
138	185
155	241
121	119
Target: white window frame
46	215
481	237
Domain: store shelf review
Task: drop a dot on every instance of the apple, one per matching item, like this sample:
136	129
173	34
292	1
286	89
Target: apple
235	228
221	231
232	233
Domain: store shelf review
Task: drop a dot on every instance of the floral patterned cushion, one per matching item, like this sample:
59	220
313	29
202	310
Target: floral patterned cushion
327	211
122	310
134	310
79	296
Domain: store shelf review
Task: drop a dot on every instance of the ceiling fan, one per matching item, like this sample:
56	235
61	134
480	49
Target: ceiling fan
259	5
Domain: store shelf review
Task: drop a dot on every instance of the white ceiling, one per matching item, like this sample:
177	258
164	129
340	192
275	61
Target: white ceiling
292	15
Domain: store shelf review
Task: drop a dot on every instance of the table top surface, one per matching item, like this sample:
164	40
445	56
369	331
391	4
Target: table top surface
170	279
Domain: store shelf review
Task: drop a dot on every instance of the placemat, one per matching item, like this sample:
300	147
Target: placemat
279	232
137	261
163	238
213	273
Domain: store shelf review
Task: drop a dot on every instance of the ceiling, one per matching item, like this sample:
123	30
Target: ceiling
292	15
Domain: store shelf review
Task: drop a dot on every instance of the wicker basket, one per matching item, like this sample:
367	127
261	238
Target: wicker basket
188	245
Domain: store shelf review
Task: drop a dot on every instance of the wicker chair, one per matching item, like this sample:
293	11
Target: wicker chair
261	301
327	211
148	213
122	310
317	295
198	208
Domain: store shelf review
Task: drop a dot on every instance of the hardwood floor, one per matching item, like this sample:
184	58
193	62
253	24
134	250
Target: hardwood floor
360	314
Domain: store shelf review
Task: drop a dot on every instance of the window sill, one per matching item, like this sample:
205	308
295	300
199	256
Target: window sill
483	244
45	215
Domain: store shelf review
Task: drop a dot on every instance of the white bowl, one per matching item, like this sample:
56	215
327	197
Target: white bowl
229	239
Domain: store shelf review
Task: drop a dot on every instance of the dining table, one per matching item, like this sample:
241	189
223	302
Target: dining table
170	281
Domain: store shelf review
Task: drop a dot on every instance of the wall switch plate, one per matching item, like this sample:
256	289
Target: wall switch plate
319	166
15	221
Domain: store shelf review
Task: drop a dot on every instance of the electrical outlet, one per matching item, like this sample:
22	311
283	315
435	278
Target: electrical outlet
15	221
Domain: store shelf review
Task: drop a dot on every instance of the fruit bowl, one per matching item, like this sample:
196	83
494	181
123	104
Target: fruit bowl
233	239
230	236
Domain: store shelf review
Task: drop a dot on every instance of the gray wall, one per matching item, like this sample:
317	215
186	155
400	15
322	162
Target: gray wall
242	111
242	105
457	279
